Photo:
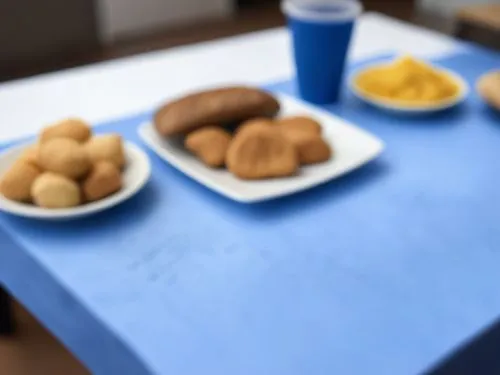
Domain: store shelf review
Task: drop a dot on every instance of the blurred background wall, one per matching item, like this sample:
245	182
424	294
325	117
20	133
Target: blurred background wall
39	35
32	30
449	7
119	19
45	35
440	14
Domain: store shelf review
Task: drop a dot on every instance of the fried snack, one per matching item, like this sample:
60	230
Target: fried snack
300	123
254	123
488	87
221	106
64	156
311	148
30	155
72	128
51	190
409	80
104	179
210	144
16	183
261	153
107	147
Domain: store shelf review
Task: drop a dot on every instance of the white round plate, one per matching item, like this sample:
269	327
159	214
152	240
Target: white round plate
135	176
410	107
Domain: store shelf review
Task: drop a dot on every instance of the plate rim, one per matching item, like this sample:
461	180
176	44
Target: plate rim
32	212
207	182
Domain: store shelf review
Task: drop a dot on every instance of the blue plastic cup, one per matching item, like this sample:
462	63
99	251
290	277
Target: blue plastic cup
321	33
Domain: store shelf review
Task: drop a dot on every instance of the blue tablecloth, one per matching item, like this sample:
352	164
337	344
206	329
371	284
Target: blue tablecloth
384	271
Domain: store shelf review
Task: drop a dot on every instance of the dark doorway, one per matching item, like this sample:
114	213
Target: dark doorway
36	33
250	3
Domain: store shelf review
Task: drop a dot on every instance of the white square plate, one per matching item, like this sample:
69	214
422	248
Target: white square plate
352	147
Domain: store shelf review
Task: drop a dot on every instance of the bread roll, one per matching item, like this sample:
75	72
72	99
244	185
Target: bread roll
254	123
220	107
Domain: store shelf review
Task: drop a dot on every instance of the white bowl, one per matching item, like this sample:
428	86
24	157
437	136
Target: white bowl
408	107
135	176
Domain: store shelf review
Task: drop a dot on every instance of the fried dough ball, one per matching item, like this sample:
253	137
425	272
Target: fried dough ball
260	153
64	156
107	147
51	190
17	182
300	123
311	148
104	179
72	128
30	155
254	123
210	144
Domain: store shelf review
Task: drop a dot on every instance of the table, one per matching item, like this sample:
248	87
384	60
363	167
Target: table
115	89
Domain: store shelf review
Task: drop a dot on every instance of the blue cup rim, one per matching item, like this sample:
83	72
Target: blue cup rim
301	9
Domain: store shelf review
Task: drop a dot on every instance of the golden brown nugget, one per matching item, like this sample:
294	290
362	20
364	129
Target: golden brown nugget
210	144
16	183
254	123
104	179
301	123
108	147
488	87
51	190
261	153
30	155
72	128
223	107
64	156
311	148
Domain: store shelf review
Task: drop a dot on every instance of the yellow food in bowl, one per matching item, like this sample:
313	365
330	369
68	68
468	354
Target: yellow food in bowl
409	81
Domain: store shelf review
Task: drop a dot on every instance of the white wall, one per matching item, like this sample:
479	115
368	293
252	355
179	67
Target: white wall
119	18
449	7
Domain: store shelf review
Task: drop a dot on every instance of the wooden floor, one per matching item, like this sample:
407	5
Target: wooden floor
33	351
